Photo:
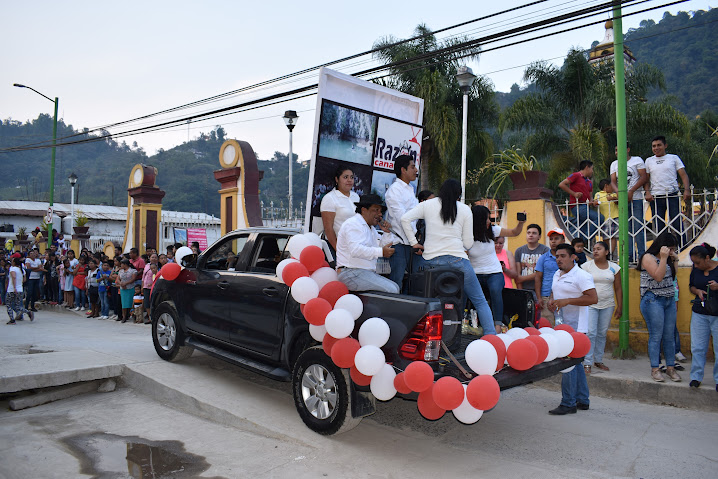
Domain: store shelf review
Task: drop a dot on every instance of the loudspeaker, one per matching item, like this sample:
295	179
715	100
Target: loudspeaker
446	284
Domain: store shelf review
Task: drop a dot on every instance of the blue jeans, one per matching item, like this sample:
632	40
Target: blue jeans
472	288
495	284
702	327
358	279
672	204
635	215
104	304
660	313
587	220
400	261
574	387
33	288
80	297
598	322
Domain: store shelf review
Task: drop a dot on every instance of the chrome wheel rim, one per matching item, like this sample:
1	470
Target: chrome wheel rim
166	331
319	391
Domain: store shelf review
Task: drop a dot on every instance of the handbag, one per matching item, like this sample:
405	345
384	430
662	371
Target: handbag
710	303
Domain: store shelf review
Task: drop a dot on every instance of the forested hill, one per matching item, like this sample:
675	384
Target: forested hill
683	47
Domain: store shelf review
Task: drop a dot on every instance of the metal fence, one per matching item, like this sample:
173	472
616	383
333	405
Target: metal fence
684	218
279	215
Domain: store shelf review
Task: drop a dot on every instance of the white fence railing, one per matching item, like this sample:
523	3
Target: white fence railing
278	215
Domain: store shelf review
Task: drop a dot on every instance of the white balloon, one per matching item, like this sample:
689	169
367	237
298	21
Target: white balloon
351	303
296	244
339	323
304	289
382	384
317	332
181	253
481	357
553	346
283	264
517	333
467	413
567	370
323	276
313	239
506	339
374	331
565	341
369	360
546	330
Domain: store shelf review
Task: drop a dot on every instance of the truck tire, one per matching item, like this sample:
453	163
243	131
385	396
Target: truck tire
167	337
321	393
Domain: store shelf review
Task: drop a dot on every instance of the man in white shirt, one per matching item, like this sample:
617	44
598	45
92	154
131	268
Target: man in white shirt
33	265
637	177
400	198
358	248
572	292
662	188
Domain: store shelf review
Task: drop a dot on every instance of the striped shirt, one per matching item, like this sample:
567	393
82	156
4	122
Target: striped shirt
664	287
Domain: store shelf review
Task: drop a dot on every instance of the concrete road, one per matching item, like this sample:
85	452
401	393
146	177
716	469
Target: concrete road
205	418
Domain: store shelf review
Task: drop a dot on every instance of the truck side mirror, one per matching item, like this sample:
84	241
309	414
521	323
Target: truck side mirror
189	261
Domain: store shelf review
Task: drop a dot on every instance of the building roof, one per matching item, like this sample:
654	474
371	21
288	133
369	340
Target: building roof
96	212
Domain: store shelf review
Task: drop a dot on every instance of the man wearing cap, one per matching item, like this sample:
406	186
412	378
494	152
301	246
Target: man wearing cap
358	247
546	266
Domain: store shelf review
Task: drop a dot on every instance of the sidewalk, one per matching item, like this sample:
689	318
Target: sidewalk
75	347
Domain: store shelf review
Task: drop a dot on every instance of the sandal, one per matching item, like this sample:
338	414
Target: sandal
601	366
587	370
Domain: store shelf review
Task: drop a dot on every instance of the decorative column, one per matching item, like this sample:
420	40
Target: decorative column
239	186
144	210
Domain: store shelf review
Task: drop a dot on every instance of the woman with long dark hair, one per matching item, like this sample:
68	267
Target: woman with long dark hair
658	307
449	234
483	259
338	205
704	317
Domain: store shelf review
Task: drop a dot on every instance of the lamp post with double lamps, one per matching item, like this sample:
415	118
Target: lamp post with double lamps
290	119
466	78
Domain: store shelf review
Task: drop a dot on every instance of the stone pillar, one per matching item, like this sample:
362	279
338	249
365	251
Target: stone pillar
144	210
239	186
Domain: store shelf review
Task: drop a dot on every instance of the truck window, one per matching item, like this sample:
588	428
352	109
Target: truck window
226	254
269	253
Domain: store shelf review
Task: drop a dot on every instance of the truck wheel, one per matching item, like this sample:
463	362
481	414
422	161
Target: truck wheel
321	393
167	336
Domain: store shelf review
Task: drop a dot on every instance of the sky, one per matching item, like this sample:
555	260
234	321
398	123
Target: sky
114	63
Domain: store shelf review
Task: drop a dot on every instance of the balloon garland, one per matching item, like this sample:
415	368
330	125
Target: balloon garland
332	311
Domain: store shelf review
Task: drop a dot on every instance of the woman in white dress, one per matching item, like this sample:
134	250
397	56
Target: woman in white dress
338	205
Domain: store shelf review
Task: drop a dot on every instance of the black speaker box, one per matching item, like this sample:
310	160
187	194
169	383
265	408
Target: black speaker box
446	284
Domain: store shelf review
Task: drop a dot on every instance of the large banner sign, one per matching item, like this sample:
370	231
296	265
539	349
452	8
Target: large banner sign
362	125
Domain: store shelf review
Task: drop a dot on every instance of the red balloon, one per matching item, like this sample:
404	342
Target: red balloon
541	347
331	291
170	271
343	352
427	407
292	272
419	376
532	331
581	345
522	354
301	307
564	327
359	378
328	343
448	393
544	323
312	257
499	346
316	310
400	384
325	264
483	392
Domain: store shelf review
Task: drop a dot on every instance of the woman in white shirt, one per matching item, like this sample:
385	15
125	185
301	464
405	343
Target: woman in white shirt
607	279
13	297
482	256
449	233
338	205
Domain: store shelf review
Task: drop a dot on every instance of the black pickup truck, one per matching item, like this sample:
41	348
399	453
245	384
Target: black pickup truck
228	303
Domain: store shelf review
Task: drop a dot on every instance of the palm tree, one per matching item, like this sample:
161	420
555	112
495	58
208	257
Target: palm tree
572	116
434	80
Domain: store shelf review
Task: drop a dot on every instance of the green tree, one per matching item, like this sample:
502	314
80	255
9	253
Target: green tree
434	80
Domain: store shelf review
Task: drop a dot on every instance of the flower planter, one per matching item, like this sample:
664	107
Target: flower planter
81	230
21	237
530	187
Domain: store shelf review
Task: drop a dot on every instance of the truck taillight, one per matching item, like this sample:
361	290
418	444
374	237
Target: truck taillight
423	343
537	312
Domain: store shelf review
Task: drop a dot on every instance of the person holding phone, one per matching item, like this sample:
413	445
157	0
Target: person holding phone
704	314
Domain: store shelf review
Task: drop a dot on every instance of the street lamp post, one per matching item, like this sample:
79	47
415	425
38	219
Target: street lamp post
52	163
290	119
465	78
73	179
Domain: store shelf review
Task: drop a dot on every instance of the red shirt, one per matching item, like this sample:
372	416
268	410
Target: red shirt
580	184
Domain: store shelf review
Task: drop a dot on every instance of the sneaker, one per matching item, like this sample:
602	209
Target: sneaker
673	375
587	369
12	321
694	384
582	406
601	366
82	308
76	308
32	315
563	410
680	357
657	375
679	367
33	310
103	317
